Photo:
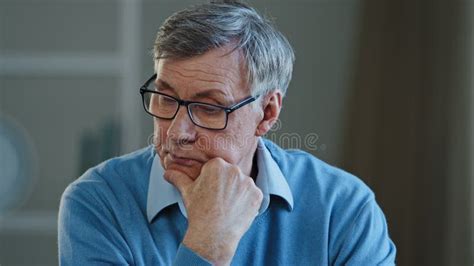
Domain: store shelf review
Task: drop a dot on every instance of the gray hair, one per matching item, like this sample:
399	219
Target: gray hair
268	55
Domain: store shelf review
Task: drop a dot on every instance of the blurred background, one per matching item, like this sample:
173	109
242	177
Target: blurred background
384	89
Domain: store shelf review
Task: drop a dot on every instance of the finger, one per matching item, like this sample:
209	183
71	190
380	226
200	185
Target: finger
178	179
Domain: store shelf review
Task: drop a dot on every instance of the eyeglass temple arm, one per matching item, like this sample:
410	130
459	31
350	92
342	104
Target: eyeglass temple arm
145	85
242	103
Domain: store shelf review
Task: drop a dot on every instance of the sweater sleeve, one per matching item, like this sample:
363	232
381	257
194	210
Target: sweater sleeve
87	231
186	256
367	241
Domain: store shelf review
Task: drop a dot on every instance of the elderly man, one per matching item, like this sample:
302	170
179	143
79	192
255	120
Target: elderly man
211	190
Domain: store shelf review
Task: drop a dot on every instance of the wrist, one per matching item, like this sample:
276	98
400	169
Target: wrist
215	251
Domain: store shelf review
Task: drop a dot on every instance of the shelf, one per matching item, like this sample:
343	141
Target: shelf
69	64
27	222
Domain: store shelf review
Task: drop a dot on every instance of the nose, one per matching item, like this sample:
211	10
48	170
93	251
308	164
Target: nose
182	130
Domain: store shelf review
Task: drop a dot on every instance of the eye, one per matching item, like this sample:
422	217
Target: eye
207	109
163	100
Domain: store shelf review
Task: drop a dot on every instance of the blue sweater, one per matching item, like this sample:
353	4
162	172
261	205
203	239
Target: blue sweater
333	219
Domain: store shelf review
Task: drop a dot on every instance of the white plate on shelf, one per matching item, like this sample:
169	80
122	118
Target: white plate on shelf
18	164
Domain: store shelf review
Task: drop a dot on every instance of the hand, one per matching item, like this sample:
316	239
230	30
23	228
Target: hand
221	205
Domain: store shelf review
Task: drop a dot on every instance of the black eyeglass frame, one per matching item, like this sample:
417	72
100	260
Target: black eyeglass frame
228	110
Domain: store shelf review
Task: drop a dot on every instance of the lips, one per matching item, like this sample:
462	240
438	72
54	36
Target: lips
181	160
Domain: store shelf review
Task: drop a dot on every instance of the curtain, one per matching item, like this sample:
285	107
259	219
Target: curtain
408	128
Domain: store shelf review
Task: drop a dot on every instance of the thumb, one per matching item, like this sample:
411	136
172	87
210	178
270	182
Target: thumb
178	179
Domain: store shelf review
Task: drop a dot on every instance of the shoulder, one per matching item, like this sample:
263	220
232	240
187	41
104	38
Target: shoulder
126	175
304	171
100	207
341	203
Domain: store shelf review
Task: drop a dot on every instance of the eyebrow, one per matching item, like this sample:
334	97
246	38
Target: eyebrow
161	84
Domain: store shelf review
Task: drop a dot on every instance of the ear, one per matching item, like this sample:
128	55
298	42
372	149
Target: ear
271	111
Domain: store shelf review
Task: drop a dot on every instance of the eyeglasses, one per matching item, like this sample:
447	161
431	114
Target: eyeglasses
205	115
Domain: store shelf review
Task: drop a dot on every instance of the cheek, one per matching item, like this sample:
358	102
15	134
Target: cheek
229	145
244	128
159	132
243	135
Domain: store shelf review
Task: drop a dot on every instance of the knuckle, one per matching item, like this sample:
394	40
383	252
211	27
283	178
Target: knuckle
209	164
248	182
218	161
256	203
245	186
234	171
259	195
257	200
215	162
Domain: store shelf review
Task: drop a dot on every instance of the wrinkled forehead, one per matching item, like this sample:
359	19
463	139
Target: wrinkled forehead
227	55
222	68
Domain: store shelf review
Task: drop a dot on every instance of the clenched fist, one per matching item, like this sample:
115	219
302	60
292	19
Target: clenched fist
221	205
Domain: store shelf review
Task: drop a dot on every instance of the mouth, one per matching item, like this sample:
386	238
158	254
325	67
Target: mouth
180	160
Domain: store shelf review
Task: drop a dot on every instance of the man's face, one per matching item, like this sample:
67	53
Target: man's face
217	78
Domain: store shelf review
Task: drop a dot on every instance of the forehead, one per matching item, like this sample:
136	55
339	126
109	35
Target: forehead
219	68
